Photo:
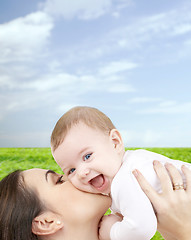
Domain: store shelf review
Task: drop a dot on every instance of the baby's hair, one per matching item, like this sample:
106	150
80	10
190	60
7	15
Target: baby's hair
90	116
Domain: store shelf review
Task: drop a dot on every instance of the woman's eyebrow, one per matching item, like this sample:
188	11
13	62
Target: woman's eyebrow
46	174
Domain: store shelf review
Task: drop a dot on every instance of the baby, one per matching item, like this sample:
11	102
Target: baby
90	151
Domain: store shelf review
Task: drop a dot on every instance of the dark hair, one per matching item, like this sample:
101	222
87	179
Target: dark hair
19	205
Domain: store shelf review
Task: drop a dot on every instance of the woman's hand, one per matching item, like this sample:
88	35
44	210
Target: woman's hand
173	205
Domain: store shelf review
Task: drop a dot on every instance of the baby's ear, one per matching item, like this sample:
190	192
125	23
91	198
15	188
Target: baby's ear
47	223
116	139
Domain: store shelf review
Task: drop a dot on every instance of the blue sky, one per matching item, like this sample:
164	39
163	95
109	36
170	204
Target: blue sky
128	58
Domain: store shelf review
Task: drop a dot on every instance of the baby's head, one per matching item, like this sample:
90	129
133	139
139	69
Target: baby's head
88	148
91	117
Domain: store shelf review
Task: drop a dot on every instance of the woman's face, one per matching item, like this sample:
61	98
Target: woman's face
63	198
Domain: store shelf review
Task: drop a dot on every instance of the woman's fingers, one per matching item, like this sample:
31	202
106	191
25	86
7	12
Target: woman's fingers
147	188
176	177
172	206
187	173
165	180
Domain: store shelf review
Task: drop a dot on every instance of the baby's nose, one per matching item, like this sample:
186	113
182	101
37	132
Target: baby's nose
83	173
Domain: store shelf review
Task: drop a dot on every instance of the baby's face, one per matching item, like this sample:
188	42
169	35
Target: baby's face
89	158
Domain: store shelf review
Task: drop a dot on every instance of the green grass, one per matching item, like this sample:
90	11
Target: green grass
25	158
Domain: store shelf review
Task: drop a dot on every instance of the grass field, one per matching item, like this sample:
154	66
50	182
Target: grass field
25	158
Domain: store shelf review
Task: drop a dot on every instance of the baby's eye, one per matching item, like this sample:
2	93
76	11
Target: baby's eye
87	156
60	180
71	170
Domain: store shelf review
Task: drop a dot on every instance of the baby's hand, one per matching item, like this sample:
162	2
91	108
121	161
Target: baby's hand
106	224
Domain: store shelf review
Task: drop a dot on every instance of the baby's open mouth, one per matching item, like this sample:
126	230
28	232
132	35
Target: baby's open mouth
98	181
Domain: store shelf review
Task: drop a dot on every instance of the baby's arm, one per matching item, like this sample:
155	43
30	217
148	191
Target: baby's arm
139	221
106	224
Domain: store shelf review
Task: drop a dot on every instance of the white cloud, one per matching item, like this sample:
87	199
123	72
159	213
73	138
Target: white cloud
82	9
5	81
27	139
155	138
65	107
116	14
19	101
121	88
188	42
182	29
168	108
145	138
116	67
24	36
107	79
51	82
167	104
174	22
55	88
152	34
13	75
144	100
63	83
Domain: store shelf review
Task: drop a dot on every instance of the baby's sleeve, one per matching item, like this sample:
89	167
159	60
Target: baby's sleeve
139	222
128	229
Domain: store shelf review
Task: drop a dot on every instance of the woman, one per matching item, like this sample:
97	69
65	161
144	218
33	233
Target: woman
41	200
173	205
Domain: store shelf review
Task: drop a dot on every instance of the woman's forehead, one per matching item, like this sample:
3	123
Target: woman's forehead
34	175
34	171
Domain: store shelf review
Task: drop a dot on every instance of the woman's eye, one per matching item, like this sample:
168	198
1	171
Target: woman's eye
60	180
71	170
87	156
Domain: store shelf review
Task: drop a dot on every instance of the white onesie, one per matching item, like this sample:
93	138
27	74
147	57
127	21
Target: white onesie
139	222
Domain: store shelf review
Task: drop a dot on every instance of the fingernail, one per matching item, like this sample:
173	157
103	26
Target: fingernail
167	164
183	167
155	162
135	172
